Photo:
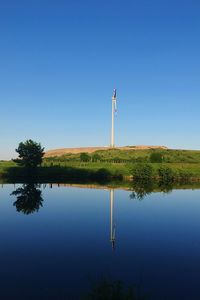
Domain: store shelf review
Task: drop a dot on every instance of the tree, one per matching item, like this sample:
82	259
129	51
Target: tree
84	157
156	157
96	157
30	154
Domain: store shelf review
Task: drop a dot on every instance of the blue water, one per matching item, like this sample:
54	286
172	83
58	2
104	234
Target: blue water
63	247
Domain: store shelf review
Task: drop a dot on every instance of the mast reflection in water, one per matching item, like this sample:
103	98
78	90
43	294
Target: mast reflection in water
112	224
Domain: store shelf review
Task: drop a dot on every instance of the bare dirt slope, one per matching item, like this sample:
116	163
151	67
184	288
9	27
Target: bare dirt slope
60	152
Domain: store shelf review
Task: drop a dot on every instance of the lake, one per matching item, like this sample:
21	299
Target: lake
59	241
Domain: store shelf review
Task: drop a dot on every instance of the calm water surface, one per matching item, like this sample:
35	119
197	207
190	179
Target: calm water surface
56	242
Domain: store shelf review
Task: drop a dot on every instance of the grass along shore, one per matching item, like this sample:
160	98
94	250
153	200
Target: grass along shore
184	164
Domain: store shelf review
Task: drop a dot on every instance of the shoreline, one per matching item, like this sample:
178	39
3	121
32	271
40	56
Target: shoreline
85	175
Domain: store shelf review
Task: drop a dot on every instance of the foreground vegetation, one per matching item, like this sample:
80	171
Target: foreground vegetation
115	290
167	165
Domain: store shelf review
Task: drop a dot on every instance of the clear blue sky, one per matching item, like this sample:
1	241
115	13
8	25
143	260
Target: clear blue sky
60	60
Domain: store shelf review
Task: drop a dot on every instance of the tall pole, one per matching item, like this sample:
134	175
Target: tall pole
112	128
114	98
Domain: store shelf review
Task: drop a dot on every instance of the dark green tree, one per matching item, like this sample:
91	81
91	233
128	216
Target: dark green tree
96	157
156	157
30	154
84	157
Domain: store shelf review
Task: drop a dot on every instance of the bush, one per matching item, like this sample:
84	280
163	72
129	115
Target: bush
96	157
84	157
156	157
142	171
103	175
166	175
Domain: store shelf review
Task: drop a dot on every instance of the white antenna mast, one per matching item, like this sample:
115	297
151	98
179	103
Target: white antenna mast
114	109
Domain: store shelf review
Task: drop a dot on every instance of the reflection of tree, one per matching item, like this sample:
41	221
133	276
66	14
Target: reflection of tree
29	198
166	188
143	188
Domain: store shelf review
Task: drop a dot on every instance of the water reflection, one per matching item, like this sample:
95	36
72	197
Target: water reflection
141	189
115	290
29	198
112	224
77	241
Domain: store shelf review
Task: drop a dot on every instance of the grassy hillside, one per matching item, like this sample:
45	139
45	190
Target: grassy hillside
120	162
123	161
63	151
121	156
4	164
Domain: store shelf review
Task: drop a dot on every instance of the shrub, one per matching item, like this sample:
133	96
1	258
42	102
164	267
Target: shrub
166	175
156	157
96	157
84	157
142	171
117	176
103	175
